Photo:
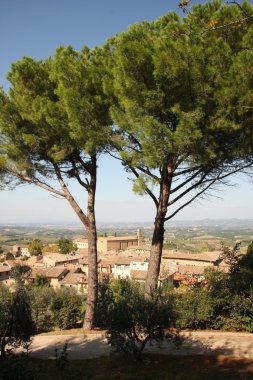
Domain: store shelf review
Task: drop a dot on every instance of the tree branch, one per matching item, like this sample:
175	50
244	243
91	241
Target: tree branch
148	191
185	182
196	184
84	219
211	181
77	176
190	201
35	182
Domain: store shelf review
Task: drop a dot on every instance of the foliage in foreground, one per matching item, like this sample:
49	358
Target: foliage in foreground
226	302
133	320
16	323
67	309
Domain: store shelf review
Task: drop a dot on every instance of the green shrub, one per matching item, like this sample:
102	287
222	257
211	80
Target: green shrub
67	308
16	323
134	320
195	309
41	299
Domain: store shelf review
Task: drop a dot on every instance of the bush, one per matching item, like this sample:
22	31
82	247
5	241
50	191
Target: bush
104	303
67	308
133	320
40	300
241	314
195	309
16	323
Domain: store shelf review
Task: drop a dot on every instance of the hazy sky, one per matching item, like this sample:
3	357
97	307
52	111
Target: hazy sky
36	28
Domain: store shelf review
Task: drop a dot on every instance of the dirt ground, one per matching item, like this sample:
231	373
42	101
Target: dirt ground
87	346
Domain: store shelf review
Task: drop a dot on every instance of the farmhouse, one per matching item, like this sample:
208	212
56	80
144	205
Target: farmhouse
5	275
54	275
58	259
78	281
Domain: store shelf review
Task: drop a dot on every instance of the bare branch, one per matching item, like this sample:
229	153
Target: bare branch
192	187
191	200
147	190
185	182
77	176
218	178
186	171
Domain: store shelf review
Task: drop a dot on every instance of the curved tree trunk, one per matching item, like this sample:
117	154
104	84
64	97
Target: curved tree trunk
158	233
89	223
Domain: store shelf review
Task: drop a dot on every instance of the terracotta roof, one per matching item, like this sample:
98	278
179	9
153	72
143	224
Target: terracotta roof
185	279
138	274
74	278
54	272
34	259
206	256
123	260
126	260
4	268
60	257
83	252
12	263
191	269
104	263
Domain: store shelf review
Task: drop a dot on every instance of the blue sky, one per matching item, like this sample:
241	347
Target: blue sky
36	28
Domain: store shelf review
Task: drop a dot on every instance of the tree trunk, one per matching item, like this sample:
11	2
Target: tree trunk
89	318
158	233
155	254
3	344
89	223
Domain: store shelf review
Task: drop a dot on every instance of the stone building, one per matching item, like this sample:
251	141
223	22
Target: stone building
109	243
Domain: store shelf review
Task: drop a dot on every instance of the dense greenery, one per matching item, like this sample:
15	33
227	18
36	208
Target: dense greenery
66	246
35	247
226	302
41	280
17	272
41	300
16	323
61	308
31	309
182	106
9	256
132	320
67	308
